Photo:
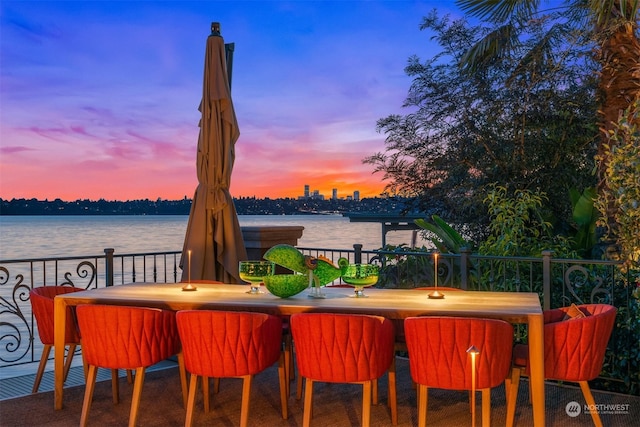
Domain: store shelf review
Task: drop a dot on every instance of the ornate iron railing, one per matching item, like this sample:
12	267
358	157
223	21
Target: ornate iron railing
559	282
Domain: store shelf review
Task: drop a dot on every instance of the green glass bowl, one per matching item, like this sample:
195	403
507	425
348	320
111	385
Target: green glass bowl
286	285
360	275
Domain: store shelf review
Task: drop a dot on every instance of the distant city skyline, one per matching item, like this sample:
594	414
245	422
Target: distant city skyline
316	194
100	99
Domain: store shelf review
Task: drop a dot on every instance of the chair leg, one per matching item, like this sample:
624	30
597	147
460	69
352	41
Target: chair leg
67	363
422	405
367	387
191	401
308	401
512	386
299	384
135	400
486	407
374	391
183	378
284	385
115	386
392	400
88	394
85	366
43	362
288	357
246	398
588	397
205	394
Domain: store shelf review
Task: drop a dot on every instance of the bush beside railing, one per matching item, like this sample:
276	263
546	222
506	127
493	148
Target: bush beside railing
559	282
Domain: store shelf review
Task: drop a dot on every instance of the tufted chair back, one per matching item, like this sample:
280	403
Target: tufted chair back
344	348
42	307
574	349
230	344
119	337
127	337
438	356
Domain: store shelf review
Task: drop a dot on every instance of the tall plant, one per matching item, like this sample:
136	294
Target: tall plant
585	218
442	235
621	200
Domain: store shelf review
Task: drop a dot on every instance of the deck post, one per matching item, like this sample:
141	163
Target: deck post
546	279
108	266
357	253
465	253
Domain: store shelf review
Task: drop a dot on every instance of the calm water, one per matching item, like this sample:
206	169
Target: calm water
25	237
58	236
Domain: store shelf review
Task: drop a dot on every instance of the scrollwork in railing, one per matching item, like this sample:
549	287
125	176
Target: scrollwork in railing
84	270
16	335
578	277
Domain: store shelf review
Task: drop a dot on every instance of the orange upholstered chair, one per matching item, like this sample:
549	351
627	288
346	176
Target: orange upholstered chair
343	348
42	307
117	337
401	342
438	356
223	344
575	341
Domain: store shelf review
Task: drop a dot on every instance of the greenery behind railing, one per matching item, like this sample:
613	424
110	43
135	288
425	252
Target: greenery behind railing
559	282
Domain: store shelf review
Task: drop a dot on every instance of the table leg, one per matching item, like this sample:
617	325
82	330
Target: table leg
536	360
59	321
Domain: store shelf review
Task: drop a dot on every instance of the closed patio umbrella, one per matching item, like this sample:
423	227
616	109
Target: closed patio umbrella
213	242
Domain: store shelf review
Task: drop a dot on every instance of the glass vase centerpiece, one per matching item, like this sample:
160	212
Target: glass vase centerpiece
318	270
254	273
360	276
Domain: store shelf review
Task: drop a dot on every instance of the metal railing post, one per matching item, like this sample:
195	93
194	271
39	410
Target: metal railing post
108	266
465	253
357	255
546	279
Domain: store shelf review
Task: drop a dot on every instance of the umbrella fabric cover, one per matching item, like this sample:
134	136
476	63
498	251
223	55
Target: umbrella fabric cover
213	232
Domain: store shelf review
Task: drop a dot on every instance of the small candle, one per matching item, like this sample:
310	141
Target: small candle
435	258
189	266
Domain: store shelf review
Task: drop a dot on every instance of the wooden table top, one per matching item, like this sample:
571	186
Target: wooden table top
391	303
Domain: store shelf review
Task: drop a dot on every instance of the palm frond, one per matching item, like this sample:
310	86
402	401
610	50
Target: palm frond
498	10
541	55
492	46
608	11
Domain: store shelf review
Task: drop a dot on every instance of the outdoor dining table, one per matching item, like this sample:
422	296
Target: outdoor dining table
513	307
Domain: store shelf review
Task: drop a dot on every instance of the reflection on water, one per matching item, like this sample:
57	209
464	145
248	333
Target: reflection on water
59	236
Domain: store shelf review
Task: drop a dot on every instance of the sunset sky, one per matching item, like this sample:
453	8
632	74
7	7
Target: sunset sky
98	99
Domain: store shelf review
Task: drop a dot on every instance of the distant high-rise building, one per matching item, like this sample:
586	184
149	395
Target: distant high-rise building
334	194
356	196
306	191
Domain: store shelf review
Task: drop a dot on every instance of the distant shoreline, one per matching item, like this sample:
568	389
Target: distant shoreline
244	206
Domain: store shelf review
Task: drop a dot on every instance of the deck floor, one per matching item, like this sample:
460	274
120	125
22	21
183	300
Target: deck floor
334	404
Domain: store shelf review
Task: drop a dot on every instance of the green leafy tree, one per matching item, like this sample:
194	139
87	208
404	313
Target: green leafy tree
519	227
612	26
518	126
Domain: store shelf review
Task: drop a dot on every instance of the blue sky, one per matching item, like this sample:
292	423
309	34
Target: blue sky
98	99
